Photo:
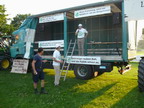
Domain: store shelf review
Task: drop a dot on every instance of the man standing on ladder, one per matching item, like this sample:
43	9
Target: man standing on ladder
56	64
81	34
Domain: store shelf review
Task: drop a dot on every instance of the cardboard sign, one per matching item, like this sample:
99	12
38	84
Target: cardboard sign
52	18
87	60
134	9
50	44
92	11
20	66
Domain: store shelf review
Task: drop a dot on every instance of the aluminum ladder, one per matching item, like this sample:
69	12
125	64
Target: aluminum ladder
65	66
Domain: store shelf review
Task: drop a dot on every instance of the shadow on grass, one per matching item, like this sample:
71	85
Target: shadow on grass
82	99
17	92
67	96
134	99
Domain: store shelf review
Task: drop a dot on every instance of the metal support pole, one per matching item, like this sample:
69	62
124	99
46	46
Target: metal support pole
65	34
124	36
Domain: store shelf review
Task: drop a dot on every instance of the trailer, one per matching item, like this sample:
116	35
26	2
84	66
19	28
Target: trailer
111	40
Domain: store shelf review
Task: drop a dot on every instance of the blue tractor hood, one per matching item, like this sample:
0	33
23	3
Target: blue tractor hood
19	47
29	23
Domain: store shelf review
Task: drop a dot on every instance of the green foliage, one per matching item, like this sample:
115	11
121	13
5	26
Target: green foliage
18	20
110	90
5	29
2	15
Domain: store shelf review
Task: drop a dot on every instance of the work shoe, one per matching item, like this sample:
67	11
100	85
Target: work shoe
36	91
43	91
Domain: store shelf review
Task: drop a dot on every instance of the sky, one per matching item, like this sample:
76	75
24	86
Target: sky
15	7
33	7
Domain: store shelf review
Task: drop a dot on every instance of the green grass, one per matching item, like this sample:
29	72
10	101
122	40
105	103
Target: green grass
110	90
140	53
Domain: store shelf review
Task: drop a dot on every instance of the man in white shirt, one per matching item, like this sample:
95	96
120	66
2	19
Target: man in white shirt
81	34
56	64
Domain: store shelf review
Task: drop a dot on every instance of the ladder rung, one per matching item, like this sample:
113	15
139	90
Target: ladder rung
72	43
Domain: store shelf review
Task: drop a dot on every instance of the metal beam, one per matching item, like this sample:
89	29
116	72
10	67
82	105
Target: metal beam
124	36
65	34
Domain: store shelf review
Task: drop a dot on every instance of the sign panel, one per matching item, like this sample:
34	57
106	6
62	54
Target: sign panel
92	11
20	66
50	44
87	60
134	9
51	18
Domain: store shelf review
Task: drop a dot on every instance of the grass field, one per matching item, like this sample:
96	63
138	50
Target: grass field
140	53
110	90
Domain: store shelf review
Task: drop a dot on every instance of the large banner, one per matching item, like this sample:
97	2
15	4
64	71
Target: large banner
52	18
134	9
87	60
50	44
92	11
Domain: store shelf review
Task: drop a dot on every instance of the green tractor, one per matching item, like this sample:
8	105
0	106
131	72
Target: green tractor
5	59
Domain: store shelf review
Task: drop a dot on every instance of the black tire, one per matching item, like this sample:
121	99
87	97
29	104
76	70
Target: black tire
141	76
83	72
5	63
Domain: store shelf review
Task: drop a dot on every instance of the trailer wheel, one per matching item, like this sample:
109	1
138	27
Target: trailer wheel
141	76
83	72
5	63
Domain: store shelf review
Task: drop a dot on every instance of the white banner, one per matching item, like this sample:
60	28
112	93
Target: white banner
20	66
51	18
87	60
134	9
50	44
30	35
28	47
92	11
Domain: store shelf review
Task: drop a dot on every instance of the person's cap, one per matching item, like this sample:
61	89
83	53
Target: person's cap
58	45
80	25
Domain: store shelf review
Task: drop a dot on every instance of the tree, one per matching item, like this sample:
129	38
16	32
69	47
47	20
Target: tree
5	29
18	20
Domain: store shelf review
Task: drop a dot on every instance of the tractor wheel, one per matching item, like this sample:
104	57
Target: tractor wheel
141	76
83	72
5	63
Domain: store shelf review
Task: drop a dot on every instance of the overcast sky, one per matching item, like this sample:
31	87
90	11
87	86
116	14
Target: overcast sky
14	7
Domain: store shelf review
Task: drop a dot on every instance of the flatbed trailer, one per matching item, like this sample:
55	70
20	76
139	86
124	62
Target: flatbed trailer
108	39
